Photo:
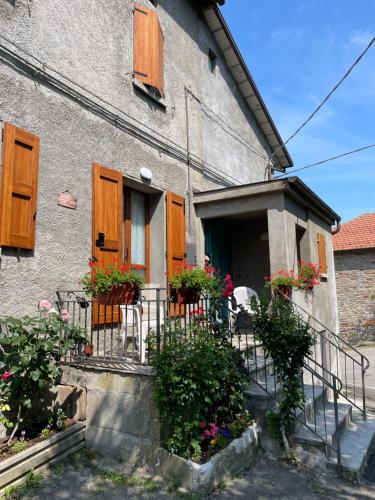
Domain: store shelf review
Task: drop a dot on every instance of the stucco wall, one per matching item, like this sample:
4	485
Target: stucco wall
91	44
355	281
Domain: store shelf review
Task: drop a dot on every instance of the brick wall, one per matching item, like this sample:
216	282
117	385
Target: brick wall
355	281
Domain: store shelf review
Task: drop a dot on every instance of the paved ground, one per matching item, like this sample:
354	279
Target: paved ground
84	477
347	375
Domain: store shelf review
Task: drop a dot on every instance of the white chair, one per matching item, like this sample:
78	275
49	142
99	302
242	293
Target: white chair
143	316
242	299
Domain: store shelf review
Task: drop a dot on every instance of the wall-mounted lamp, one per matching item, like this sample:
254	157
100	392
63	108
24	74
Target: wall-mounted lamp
146	174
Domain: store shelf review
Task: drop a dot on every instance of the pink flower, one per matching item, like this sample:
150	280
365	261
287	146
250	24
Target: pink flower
5	375
65	314
45	304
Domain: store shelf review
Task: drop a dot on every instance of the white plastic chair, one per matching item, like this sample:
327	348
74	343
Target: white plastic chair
242	296
142	315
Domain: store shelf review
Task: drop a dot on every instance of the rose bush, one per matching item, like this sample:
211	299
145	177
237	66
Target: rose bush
31	350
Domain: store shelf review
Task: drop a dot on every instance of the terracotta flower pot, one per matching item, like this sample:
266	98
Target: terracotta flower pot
185	296
119	294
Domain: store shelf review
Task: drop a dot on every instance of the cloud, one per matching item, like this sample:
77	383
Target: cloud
304	7
361	38
280	37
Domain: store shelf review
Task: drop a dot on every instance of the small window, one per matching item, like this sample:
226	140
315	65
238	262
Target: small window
212	61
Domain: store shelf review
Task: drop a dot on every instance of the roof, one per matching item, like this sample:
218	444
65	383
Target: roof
356	234
245	82
292	186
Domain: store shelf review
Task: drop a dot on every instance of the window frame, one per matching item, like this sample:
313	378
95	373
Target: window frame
127	219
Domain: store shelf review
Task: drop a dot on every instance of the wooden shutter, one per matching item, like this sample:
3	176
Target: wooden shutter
176	244
106	220
322	252
148	48
19	187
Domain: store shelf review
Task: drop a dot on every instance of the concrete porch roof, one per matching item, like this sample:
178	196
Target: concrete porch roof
261	196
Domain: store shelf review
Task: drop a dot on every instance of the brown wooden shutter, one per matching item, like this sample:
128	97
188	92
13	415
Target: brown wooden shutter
107	220
148	48
176	244
19	188
322	252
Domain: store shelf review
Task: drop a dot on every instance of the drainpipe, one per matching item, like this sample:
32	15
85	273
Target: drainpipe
336	228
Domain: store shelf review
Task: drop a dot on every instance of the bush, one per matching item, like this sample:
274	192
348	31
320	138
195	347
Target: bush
198	378
31	351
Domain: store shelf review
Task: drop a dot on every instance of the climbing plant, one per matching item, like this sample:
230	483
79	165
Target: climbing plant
287	340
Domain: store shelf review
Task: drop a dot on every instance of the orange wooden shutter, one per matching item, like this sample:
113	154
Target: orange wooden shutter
19	188
148	48
322	252
107	225
176	245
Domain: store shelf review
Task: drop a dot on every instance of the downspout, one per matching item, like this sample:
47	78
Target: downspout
188	160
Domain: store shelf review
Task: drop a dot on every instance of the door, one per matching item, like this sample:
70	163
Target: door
176	243
107	186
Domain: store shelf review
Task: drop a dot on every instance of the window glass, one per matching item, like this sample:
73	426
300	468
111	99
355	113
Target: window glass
138	229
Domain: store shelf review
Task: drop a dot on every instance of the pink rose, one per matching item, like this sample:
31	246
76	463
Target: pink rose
45	304
65	314
5	375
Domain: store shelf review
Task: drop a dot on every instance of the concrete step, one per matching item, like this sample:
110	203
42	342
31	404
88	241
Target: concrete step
357	444
322	428
315	396
259	367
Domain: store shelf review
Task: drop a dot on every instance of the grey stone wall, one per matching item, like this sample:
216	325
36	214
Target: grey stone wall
89	111
355	281
121	416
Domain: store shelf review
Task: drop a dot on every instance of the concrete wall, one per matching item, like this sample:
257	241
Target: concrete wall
91	44
355	281
121	416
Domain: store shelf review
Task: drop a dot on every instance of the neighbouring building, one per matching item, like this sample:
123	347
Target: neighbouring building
134	130
354	248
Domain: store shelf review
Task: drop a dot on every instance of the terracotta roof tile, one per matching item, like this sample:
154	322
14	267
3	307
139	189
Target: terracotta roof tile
356	234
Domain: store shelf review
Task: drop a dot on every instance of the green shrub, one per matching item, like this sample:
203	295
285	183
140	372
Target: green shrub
31	352
198	378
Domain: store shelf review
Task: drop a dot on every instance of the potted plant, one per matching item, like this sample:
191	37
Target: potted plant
111	285
282	282
187	285
308	275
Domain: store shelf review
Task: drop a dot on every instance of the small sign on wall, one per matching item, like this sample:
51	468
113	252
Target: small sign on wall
67	200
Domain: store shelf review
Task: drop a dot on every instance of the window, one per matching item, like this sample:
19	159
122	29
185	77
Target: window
19	186
136	231
322	252
148	49
212	61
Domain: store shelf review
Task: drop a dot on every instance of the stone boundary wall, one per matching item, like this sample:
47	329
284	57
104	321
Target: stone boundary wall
355	282
121	417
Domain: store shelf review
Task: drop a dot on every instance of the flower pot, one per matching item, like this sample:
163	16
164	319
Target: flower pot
185	296
282	290
88	350
119	294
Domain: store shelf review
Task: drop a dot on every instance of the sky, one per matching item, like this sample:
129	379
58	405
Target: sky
296	51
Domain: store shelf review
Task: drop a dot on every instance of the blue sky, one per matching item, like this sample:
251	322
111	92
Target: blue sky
296	51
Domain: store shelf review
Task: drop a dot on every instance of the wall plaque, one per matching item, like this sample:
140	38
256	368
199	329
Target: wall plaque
67	200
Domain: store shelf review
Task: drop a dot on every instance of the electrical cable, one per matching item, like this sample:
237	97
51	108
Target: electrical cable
311	116
326	161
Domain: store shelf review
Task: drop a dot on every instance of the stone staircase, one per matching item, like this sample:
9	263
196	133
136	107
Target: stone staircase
316	438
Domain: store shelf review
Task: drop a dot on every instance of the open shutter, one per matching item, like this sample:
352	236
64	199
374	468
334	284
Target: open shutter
19	187
176	245
106	227
148	48
322	252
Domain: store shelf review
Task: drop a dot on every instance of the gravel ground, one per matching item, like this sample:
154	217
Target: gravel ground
86	477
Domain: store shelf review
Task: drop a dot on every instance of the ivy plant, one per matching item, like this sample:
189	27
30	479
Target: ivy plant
31	349
287	340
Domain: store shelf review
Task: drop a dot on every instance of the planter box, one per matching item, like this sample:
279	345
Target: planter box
42	455
228	462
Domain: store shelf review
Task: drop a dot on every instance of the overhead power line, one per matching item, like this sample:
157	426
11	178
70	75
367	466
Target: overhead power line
327	160
310	117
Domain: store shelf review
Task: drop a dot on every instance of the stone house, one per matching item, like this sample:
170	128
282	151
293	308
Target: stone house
134	130
354	249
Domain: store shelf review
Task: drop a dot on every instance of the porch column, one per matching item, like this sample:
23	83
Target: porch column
280	239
